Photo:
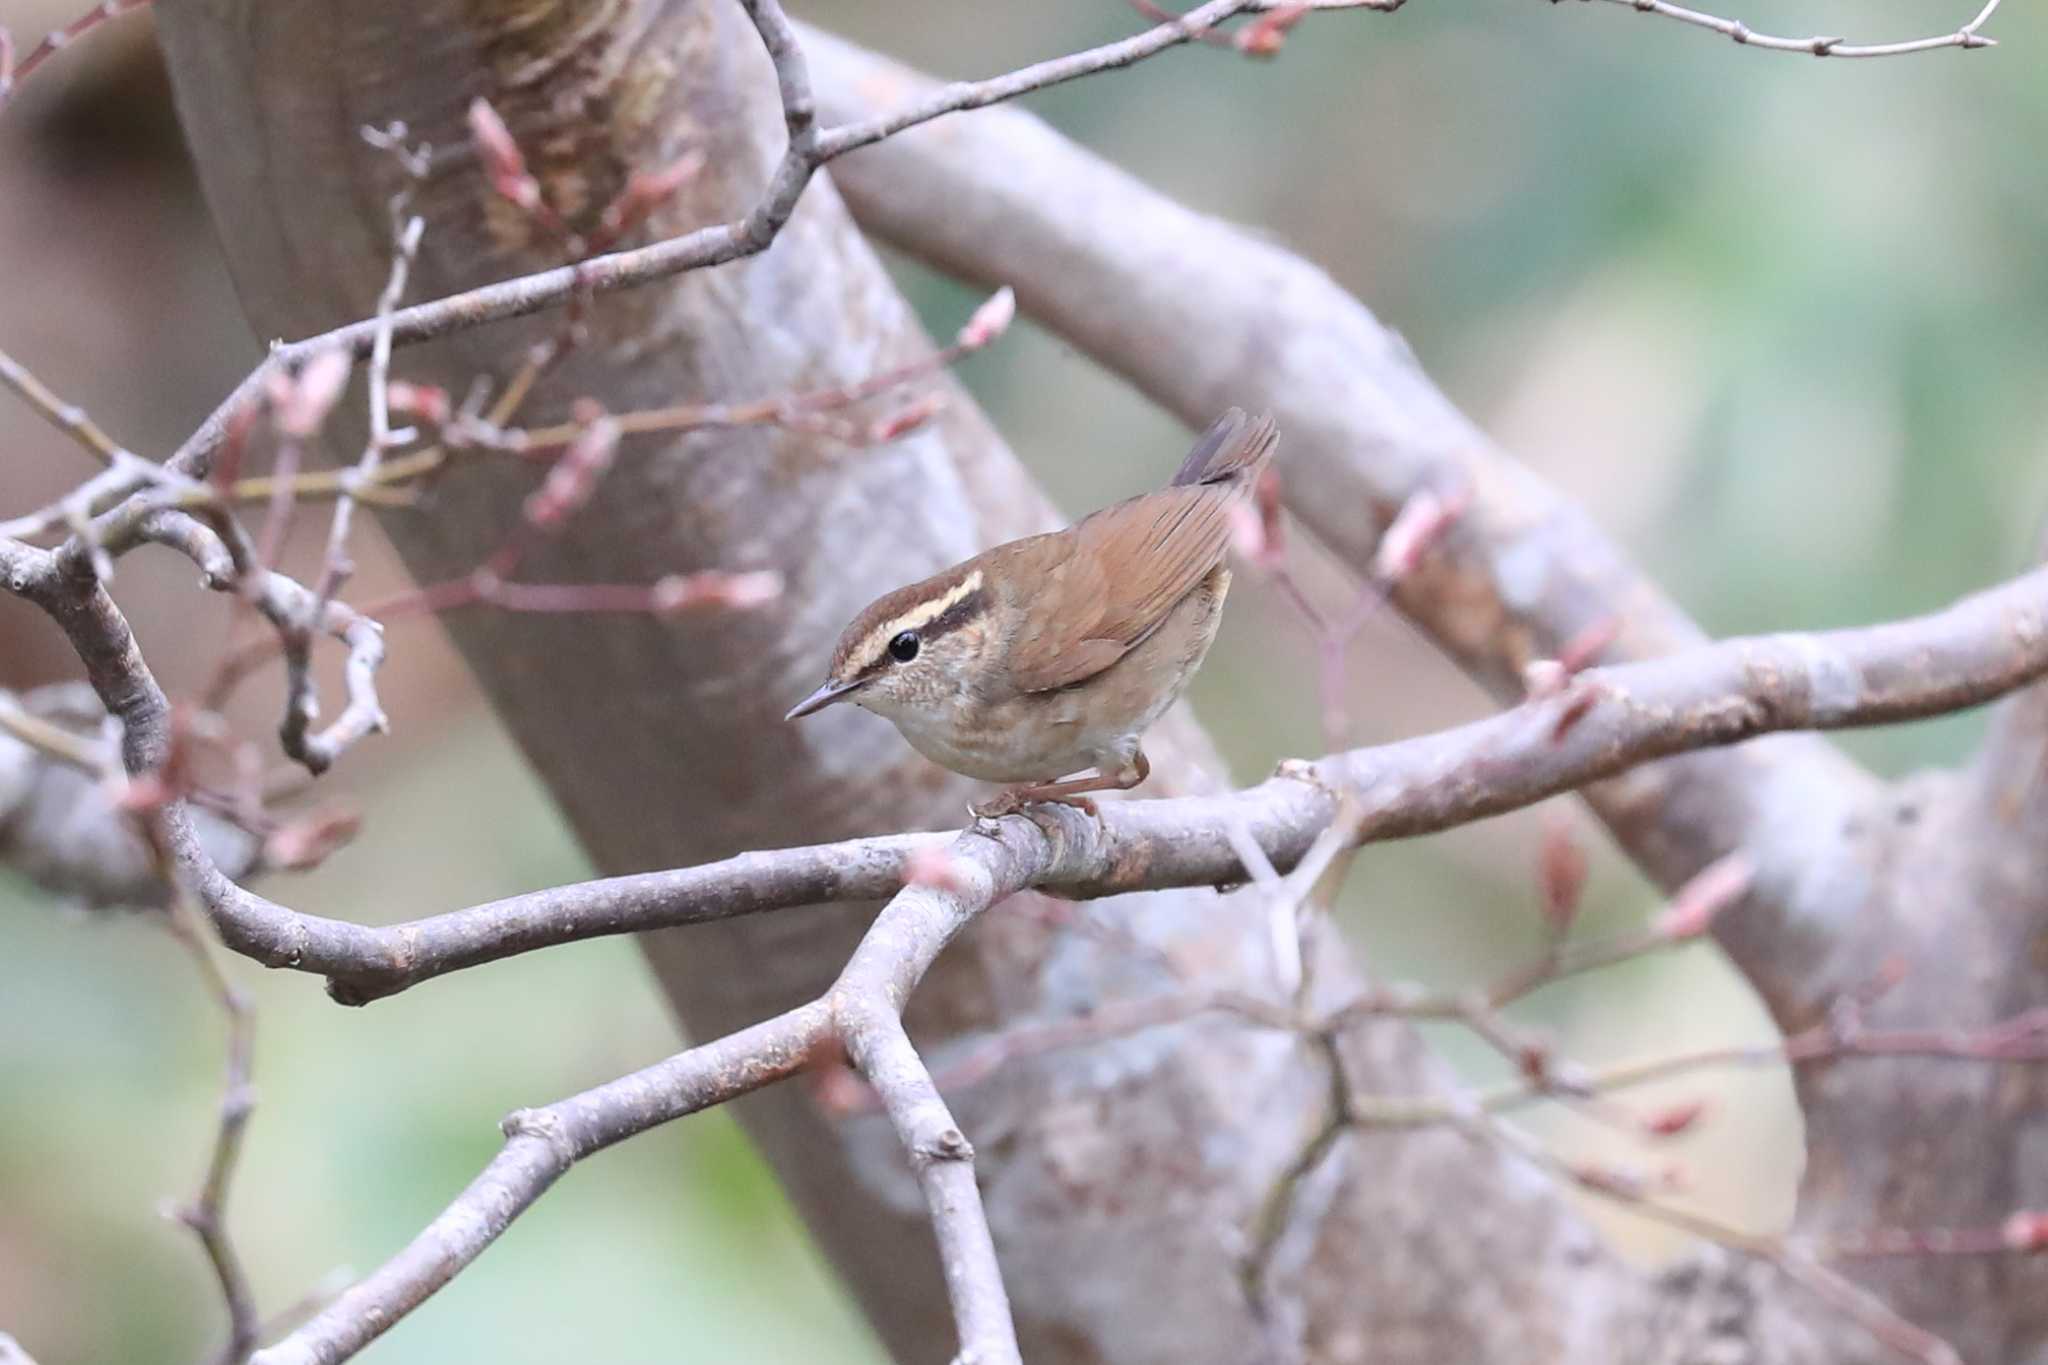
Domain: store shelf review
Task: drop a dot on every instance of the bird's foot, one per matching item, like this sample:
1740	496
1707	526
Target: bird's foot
1013	800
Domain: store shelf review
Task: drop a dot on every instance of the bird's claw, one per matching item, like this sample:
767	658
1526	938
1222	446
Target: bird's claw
1016	802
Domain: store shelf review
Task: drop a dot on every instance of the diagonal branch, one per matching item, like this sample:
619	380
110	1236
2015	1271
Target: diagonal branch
540	1146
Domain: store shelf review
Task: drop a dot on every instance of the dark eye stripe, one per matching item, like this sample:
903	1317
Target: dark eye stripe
955	616
951	619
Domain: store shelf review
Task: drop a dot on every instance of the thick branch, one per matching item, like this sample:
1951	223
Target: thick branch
1609	720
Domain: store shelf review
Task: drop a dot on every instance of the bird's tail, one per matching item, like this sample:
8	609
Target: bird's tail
1235	446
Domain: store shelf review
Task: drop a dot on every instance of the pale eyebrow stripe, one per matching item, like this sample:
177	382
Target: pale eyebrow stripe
923	614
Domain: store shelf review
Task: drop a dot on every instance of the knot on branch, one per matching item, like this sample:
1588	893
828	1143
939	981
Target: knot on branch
545	1126
947	1144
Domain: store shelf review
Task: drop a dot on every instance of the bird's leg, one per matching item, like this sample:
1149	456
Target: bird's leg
1067	793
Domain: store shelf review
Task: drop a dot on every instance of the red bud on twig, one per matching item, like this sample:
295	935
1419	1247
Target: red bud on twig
1585	648
503	161
990	320
1624	1185
906	419
1713	889
645	192
1264	36
305	844
1674	1119
679	592
1562	864
302	403
2026	1230
1416	530
573	477
428	403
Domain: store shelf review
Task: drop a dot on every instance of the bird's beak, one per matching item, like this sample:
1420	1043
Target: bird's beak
822	698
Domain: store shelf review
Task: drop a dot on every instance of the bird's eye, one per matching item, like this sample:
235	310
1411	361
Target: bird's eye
904	647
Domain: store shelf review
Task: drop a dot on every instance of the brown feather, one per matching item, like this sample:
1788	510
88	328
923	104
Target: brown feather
1127	566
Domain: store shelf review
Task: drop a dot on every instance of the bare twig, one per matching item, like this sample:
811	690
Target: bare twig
1968	36
406	232
57	39
206	1214
1852	1301
68	418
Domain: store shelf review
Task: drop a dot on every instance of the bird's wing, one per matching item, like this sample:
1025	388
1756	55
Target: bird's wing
1105	601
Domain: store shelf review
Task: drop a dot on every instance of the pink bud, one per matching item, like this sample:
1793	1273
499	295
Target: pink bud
1420	525
1562	864
1674	1119
2026	1230
428	403
303	404
503	161
1712	889
1264	36
305	844
645	192
683	591
906	419
573	478
1586	647
1621	1184
990	320
755	589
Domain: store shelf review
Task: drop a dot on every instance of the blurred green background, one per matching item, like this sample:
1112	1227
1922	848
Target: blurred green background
1780	323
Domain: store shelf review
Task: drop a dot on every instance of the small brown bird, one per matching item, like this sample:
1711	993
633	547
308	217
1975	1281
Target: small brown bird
1055	653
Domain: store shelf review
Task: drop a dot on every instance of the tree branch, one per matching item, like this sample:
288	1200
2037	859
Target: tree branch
1607	721
540	1146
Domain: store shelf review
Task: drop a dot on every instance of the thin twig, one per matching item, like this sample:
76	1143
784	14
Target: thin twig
1857	1304
1966	37
57	40
68	418
206	1214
